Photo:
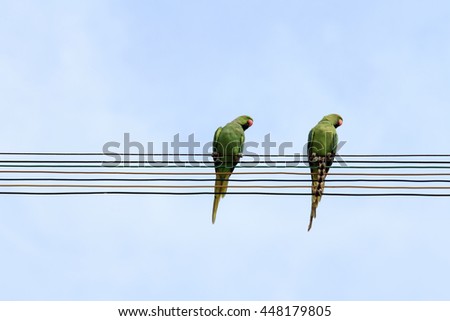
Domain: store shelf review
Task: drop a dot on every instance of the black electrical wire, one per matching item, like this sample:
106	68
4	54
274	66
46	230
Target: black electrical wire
162	173
228	193
212	180
193	162
203	154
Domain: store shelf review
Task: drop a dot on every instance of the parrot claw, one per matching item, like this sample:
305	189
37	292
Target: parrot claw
215	154
240	155
313	157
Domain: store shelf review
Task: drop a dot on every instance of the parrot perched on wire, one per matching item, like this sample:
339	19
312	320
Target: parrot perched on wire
322	145
227	150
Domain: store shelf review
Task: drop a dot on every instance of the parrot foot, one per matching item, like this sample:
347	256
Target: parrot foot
313	157
237	157
215	155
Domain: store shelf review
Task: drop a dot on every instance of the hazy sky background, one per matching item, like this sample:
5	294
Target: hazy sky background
74	75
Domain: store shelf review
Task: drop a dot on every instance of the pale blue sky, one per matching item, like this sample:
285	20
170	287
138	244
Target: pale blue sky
74	75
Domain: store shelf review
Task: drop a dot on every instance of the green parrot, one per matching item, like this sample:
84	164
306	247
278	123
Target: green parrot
227	150
322	145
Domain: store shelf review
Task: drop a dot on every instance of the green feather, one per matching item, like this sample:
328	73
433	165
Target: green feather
322	145
227	150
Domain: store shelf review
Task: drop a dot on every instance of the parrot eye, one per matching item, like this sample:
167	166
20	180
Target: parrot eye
249	122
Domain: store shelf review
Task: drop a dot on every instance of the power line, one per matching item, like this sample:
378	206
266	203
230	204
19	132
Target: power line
211	186
211	173
203	154
212	180
184	162
75	174
238	166
228	193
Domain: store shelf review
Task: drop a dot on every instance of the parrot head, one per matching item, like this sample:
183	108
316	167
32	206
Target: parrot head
335	119
244	121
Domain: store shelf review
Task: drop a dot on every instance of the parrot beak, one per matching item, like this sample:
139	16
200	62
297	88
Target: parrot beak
250	122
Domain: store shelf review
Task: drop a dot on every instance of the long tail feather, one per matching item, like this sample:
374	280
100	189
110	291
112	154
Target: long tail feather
224	187
318	185
312	216
221	186
215	205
